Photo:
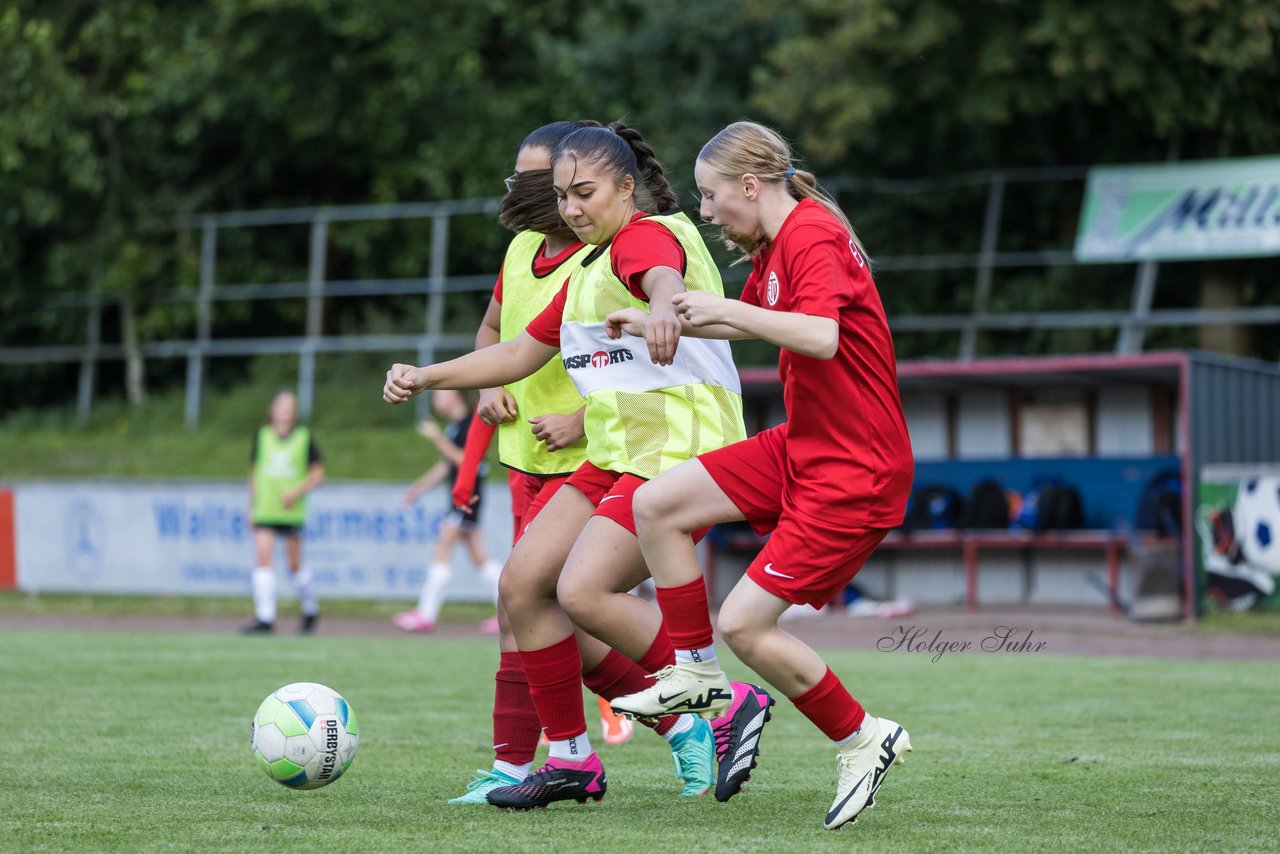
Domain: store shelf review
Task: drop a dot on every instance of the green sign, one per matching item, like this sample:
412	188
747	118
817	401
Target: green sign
1187	211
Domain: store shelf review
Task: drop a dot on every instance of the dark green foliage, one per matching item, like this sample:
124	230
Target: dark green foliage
117	120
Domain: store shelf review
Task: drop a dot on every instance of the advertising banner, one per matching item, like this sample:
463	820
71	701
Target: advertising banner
195	538
1237	517
1181	211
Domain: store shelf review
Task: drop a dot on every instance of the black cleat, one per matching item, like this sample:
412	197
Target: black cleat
554	782
257	627
308	624
737	734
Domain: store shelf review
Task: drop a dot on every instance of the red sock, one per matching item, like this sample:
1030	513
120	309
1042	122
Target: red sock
555	684
686	614
617	675
831	708
515	720
660	654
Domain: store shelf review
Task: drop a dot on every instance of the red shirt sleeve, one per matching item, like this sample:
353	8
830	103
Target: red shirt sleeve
497	288
819	272
479	435
546	326
640	246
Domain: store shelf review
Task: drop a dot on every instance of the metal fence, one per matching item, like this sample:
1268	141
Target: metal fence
1131	325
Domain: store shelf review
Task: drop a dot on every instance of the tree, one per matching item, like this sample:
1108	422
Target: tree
917	89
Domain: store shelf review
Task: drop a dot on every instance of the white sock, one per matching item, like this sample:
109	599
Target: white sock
684	723
491	571
860	737
264	594
706	655
517	771
305	583
433	590
576	749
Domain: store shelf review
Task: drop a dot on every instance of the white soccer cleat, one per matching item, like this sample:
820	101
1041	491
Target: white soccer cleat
701	689
861	770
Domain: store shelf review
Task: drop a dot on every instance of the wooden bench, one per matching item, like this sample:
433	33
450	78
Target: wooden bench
971	543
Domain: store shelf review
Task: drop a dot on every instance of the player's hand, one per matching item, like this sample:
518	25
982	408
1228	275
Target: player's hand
700	308
475	499
558	431
403	382
627	320
430	430
409	499
662	334
496	406
289	499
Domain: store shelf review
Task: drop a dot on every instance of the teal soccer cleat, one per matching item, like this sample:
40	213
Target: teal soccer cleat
694	753
484	783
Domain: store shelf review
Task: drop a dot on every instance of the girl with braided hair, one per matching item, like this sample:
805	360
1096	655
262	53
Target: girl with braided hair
651	404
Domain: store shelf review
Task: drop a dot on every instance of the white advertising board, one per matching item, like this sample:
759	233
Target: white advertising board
194	538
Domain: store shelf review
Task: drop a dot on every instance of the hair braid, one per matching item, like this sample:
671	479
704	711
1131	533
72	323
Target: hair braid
652	175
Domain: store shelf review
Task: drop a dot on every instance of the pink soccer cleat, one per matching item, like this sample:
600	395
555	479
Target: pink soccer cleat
737	732
412	621
558	780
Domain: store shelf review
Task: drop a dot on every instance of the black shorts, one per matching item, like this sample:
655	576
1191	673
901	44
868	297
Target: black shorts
465	520
282	530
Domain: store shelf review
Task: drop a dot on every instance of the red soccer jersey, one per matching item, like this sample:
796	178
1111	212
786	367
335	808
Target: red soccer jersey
636	249
849	455
543	266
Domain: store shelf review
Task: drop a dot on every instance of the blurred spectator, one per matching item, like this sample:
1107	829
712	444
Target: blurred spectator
458	524
285	465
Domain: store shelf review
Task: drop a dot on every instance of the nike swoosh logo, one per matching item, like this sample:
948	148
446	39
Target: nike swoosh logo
664	700
500	746
769	570
835	811
607	497
886	761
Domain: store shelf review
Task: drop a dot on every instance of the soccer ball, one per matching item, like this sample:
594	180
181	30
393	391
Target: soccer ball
305	735
1256	520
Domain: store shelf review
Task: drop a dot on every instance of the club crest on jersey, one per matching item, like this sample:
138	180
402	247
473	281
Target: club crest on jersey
771	293
598	359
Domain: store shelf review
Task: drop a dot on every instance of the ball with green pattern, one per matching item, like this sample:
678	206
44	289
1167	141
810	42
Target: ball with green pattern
305	735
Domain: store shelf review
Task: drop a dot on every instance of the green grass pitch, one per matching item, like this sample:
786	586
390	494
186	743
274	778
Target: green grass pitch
140	741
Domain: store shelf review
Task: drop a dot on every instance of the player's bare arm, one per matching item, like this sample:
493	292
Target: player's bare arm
806	334
661	327
630	321
493	366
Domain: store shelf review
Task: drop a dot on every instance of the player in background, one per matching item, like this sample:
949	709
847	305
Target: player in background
539	420
648	408
459	524
285	465
829	483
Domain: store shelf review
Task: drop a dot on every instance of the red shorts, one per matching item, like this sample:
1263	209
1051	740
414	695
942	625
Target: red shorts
611	492
529	494
806	560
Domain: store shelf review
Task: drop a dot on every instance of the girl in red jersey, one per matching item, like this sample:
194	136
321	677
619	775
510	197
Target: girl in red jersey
643	405
829	483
